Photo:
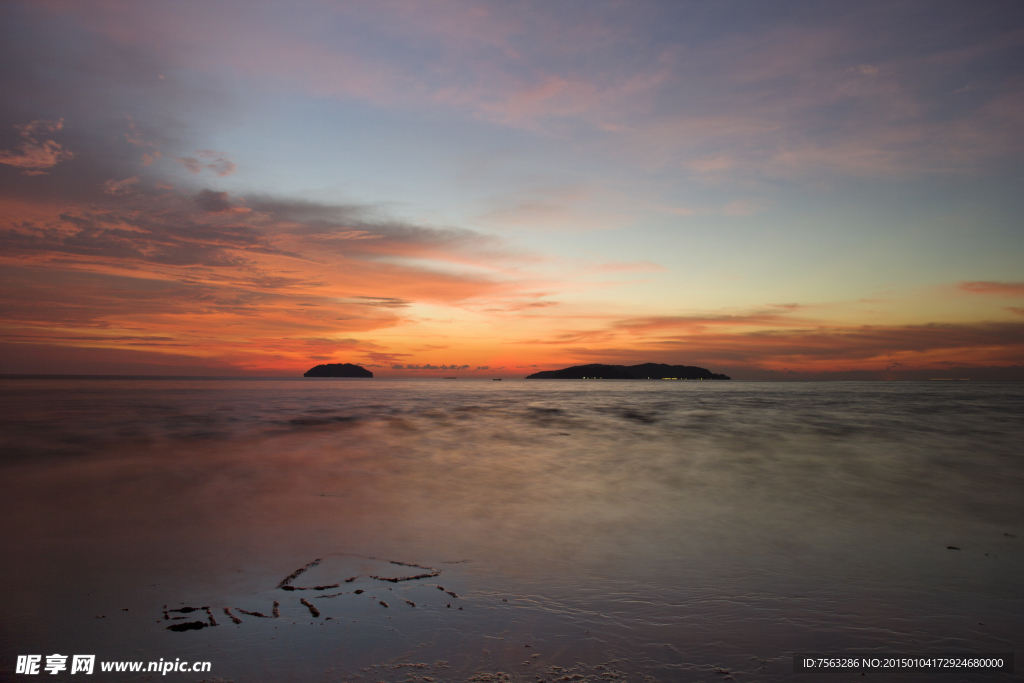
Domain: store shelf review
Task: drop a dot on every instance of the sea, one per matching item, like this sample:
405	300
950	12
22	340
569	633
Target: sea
523	530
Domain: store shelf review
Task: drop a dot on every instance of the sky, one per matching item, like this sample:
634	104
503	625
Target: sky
798	190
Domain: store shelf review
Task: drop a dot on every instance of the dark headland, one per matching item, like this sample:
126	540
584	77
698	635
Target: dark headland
643	371
338	370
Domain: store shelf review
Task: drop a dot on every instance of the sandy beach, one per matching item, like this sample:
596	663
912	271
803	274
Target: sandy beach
508	531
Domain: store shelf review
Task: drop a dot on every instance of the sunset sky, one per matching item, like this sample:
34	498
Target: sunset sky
771	190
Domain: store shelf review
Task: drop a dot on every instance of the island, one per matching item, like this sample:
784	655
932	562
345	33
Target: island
338	370
643	371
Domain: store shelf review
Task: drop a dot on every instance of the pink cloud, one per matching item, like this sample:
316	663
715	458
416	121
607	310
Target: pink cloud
476	67
218	162
120	186
766	101
499	98
36	155
191	164
135	137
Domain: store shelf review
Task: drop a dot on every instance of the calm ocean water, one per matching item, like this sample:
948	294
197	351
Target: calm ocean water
676	531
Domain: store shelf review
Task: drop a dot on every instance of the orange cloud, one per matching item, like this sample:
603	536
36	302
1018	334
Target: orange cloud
1013	289
286	283
189	275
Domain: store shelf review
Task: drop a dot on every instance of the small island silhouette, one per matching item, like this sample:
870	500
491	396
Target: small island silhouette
643	371
338	370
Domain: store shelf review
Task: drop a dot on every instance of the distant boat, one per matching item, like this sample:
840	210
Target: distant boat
497	379
449	378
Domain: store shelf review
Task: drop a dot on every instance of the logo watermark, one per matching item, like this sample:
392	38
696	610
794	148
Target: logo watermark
86	664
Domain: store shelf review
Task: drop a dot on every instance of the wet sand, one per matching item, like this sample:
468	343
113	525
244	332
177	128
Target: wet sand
470	537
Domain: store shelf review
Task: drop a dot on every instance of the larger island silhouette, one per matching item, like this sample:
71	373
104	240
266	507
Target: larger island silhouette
642	371
338	370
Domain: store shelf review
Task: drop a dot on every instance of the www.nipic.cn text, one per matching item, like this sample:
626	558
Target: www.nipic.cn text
86	664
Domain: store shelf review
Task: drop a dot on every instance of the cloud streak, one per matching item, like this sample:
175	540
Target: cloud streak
1011	289
760	341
